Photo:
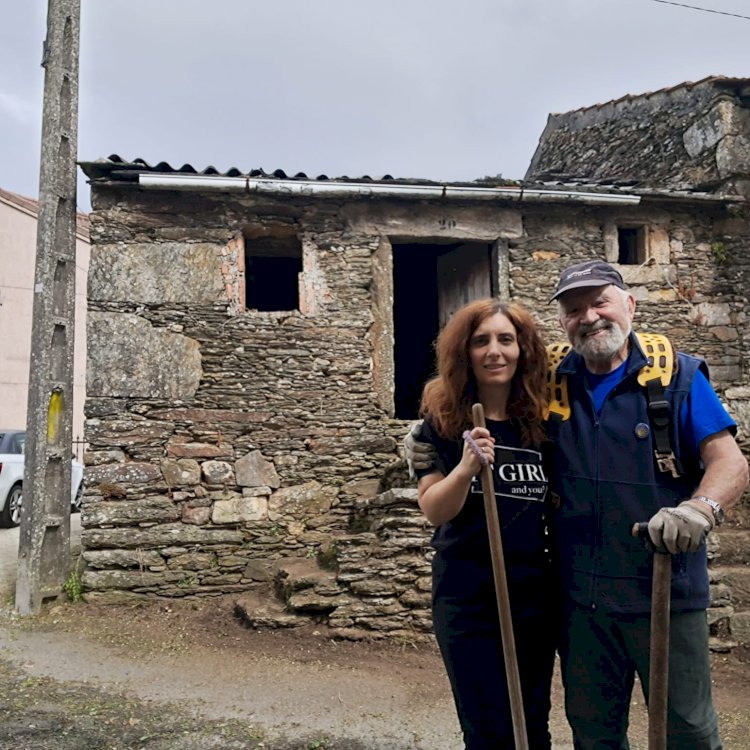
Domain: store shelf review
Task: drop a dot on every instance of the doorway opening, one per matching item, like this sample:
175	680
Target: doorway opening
430	282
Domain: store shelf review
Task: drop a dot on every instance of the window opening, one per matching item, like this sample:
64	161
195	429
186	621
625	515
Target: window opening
631	245
272	269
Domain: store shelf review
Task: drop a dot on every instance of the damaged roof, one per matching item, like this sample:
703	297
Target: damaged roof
684	137
743	84
116	169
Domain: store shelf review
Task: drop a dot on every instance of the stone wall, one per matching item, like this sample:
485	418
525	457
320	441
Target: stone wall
697	293
223	441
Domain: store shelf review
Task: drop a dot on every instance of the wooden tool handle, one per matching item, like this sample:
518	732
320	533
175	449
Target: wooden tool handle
658	669
503	600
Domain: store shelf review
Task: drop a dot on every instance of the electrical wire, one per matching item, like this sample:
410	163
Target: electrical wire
705	10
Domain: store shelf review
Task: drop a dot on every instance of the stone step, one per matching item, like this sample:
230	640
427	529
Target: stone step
313	603
295	574
734	546
721	645
307	589
263	610
740	627
737	579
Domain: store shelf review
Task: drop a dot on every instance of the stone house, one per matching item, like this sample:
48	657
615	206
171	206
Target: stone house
258	343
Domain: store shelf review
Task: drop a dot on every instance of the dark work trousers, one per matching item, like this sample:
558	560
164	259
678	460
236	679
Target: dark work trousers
471	646
600	655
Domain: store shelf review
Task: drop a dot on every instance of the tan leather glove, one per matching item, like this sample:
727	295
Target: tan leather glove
681	529
418	455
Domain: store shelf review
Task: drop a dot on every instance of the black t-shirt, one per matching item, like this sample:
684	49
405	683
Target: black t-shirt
462	567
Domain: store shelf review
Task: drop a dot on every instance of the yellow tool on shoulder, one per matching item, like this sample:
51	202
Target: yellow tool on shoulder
654	376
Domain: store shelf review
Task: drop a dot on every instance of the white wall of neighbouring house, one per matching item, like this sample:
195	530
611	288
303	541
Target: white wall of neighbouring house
18	222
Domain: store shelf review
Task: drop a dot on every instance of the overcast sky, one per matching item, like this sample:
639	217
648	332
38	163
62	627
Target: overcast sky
445	90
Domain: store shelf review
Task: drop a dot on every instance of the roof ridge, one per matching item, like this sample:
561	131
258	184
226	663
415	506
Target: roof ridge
647	94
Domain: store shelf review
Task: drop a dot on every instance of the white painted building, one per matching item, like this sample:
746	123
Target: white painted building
18	222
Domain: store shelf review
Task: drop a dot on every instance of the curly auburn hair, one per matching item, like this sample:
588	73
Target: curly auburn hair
448	397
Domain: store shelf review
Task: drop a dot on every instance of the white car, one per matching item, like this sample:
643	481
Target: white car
12	443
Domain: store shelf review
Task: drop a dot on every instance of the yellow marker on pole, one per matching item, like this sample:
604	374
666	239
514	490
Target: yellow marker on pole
54	416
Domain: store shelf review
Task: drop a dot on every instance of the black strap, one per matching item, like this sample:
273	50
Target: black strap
660	417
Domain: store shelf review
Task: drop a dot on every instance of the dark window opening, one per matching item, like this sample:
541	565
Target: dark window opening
631	245
272	269
430	282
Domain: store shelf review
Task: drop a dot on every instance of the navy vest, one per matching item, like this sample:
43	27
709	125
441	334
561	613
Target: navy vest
604	472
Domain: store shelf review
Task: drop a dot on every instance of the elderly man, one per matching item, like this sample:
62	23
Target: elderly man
604	471
609	469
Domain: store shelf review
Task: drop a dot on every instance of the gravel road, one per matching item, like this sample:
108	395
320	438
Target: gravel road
187	675
193	663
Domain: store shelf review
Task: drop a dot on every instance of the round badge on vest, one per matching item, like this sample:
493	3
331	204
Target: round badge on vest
642	430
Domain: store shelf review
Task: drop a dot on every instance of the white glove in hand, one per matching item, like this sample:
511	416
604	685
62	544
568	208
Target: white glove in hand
681	529
419	455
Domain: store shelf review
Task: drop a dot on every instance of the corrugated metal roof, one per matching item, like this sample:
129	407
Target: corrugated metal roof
115	168
31	206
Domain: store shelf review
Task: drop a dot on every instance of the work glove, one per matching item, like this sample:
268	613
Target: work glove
419	455
681	529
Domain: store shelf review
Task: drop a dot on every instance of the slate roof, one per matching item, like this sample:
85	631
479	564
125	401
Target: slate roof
665	139
719	81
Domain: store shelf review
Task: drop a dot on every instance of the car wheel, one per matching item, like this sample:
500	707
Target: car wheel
75	506
11	513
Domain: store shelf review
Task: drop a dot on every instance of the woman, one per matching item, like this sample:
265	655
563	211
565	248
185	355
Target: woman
490	352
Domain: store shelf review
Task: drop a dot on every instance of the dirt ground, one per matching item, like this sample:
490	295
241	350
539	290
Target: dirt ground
188	675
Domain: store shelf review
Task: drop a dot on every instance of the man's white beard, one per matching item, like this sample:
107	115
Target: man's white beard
601	348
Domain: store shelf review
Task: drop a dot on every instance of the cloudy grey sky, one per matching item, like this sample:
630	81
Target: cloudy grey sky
446	90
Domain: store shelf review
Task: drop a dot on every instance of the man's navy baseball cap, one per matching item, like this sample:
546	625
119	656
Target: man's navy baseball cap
589	273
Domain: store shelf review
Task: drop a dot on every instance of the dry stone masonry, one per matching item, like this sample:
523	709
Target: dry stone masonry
239	449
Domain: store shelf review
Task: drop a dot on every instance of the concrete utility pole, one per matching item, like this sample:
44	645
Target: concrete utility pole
44	542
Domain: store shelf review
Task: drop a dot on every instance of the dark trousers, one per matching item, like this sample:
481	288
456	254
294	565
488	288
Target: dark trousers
600	655
472	652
